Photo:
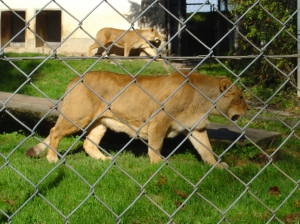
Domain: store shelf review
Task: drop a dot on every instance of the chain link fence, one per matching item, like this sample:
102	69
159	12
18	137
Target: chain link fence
282	203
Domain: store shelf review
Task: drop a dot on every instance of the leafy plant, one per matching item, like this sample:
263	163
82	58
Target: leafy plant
268	28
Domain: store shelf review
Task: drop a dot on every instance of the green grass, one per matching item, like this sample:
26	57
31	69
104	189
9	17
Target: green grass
66	190
105	181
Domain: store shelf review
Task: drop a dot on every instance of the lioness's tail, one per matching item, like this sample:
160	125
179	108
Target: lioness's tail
39	148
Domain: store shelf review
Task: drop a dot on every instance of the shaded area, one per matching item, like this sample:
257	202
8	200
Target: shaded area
12	78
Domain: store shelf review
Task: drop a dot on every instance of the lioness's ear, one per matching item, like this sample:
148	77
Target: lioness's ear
152	29
225	84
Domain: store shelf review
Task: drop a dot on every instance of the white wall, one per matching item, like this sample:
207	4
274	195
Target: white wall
77	44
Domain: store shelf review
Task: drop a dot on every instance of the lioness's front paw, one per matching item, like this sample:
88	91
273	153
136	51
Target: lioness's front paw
106	158
156	159
99	155
222	165
51	158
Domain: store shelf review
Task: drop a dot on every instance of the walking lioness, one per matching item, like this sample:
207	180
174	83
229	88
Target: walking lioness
130	40
151	108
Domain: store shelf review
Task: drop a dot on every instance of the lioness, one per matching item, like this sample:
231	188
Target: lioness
151	108
130	40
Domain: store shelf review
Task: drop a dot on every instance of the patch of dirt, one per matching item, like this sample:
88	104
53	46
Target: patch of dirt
262	159
274	190
292	217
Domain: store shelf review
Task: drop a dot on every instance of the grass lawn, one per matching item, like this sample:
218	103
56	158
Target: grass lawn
129	189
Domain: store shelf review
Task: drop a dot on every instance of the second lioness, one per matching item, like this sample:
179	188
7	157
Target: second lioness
151	108
131	40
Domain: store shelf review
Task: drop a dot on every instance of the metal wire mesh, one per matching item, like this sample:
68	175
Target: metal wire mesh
213	52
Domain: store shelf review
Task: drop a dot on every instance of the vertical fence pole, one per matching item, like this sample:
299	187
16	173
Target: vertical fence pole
179	27
298	38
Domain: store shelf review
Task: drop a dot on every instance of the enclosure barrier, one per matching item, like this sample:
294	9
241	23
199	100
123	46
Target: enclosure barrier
169	60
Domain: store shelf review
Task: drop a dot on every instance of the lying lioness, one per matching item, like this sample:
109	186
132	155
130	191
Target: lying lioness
130	40
151	108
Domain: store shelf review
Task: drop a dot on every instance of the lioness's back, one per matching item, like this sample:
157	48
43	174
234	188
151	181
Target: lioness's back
160	87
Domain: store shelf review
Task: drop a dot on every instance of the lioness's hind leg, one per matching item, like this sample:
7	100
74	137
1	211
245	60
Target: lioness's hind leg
92	47
55	137
62	128
92	141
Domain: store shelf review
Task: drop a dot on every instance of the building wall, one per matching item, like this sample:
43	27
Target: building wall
78	41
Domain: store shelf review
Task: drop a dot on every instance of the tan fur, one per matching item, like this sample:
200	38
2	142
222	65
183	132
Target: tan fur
126	105
131	40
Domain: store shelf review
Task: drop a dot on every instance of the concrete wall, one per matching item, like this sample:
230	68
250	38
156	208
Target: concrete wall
78	42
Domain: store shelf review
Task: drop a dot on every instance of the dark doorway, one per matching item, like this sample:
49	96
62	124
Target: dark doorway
11	25
201	32
48	27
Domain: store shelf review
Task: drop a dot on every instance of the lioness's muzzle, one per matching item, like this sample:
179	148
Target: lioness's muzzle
235	117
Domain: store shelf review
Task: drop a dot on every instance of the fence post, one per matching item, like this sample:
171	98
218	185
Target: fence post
298	38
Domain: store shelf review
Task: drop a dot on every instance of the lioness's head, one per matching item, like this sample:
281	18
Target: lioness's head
232	102
152	35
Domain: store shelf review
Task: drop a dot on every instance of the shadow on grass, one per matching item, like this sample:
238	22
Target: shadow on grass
44	189
59	176
113	142
11	77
